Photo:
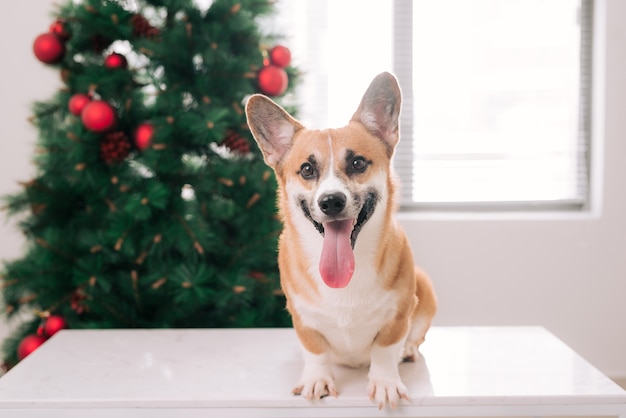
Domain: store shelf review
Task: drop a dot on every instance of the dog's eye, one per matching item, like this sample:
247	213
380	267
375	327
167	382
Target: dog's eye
359	164
307	171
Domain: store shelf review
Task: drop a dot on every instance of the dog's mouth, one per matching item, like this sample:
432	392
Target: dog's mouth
362	218
337	258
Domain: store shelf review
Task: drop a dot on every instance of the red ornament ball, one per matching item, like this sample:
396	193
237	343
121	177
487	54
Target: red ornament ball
115	61
98	116
143	136
29	344
280	56
273	80
48	48
77	103
60	29
54	324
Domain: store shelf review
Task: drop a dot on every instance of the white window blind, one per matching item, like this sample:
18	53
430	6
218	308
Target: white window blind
496	92
499	102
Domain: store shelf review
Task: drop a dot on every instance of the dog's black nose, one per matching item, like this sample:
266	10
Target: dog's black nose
332	203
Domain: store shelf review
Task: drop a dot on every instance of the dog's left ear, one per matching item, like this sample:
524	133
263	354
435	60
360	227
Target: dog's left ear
380	109
272	127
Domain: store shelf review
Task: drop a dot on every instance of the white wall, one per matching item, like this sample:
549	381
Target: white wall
566	273
23	80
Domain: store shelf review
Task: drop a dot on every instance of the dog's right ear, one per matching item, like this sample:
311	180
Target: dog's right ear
272	127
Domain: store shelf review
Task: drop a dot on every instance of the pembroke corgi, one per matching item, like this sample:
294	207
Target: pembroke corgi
354	293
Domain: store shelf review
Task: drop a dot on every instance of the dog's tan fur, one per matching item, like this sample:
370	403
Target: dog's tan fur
383	314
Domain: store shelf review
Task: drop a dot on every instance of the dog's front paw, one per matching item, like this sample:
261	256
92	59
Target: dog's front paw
387	390
316	388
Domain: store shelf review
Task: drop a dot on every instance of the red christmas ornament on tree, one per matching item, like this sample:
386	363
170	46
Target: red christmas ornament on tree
59	28
29	344
280	56
48	48
273	80
54	324
98	116
77	103
115	61
143	136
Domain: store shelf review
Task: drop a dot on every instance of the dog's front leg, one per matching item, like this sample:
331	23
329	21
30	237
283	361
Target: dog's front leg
385	384
317	378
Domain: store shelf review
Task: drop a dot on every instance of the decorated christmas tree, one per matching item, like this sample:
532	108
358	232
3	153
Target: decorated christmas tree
151	205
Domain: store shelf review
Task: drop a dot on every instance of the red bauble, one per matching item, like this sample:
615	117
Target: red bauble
143	136
273	80
54	324
48	48
98	116
59	28
115	60
77	103
29	344
280	56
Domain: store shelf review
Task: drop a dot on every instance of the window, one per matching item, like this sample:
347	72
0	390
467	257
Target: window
496	93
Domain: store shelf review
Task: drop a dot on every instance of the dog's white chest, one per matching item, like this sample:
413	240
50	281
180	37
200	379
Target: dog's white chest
350	318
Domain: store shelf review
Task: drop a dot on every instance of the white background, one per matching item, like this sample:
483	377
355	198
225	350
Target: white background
567	273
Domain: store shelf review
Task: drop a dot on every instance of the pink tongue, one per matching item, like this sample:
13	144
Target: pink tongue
337	261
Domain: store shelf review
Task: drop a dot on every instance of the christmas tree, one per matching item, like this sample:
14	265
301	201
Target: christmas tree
151	206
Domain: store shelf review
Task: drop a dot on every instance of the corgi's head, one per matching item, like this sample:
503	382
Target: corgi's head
332	182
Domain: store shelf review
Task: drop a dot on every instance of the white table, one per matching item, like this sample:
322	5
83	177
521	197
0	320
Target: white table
465	371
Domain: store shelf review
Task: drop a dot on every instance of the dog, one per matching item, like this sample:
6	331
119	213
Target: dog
355	296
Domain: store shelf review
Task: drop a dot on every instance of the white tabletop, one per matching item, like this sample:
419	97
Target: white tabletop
229	372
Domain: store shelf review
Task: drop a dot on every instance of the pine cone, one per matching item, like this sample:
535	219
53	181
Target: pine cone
141	27
100	42
77	301
114	147
236	143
